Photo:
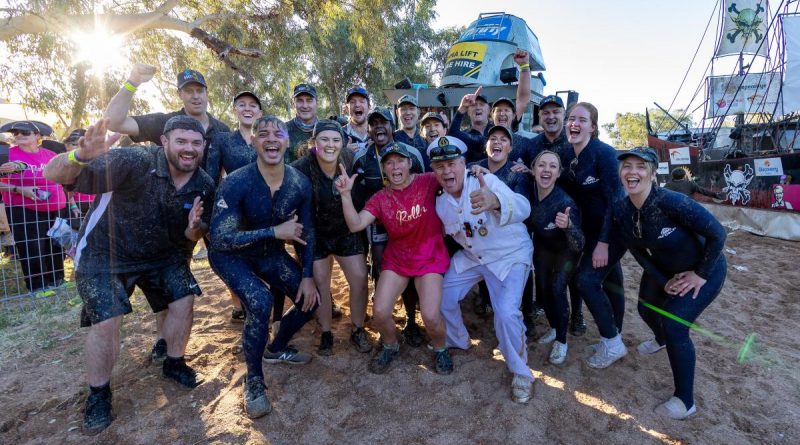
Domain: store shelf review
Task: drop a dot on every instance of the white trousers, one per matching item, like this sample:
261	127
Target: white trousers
505	295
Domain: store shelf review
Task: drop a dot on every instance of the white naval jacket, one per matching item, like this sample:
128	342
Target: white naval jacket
506	241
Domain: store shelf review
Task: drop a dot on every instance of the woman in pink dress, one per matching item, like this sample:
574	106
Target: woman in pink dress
407	208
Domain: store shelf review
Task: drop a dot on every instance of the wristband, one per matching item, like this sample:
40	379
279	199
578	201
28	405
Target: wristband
73	206
524	66
129	86
74	159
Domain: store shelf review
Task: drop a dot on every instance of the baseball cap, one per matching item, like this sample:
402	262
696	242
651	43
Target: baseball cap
250	94
75	135
326	125
445	148
506	100
183	122
431	115
395	148
551	99
188	76
357	90
408	99
503	129
482	97
382	112
646	154
304	88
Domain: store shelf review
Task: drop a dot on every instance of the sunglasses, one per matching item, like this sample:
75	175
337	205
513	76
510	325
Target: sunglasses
21	133
637	225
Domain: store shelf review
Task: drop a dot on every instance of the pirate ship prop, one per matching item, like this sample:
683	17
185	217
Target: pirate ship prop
748	144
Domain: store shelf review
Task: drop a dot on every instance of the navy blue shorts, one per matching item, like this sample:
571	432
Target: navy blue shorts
107	295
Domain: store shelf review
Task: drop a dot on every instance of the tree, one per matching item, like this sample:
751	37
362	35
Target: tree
630	129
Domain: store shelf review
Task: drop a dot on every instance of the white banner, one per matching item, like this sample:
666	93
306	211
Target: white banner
663	168
768	167
750	93
745	28
791	81
679	156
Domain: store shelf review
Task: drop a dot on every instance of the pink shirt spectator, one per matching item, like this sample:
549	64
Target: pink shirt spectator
416	240
34	177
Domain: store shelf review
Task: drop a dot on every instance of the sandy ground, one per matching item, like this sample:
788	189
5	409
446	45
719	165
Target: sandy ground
335	400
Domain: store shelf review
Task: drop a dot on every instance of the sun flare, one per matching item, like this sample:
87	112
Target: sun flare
99	47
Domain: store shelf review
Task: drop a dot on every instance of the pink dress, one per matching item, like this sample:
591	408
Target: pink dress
416	239
34	176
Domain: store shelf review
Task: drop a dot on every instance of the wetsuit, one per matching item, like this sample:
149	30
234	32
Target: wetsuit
228	151
248	257
594	185
476	142
674	234
555	256
299	134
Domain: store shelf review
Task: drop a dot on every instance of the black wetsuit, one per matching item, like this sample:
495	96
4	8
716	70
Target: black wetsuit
228	151
670	234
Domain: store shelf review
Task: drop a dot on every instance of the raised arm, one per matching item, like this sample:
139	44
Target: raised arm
65	167
522	59
117	109
356	221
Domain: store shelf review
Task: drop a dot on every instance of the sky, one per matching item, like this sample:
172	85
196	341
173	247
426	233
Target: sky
620	55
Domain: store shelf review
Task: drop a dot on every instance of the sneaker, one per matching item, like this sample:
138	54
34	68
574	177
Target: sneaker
326	344
559	353
608	351
237	315
178	370
159	352
577	326
360	340
521	389
675	409
380	363
97	416
649	347
290	356
336	311
443	363
256	403
538	311
549	337
412	335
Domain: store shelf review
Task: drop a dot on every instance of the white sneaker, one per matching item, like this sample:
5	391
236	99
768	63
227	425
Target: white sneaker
609	351
547	338
521	389
675	409
559	353
649	347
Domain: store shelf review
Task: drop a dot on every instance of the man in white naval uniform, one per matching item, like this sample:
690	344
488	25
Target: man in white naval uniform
486	218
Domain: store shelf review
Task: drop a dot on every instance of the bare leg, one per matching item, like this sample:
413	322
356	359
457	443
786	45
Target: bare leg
390	284
178	325
355	271
322	278
101	350
160	318
429	288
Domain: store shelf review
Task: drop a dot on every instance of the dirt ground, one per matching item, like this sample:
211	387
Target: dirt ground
744	395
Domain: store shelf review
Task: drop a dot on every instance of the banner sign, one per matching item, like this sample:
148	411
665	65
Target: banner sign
768	167
679	156
465	59
750	93
663	168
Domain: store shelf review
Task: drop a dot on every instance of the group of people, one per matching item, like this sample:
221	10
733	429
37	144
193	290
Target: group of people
437	209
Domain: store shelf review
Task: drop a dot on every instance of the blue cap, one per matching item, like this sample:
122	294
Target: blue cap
305	88
646	154
551	99
382	112
357	90
188	76
396	148
408	99
249	94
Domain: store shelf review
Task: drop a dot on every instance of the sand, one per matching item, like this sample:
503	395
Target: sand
750	399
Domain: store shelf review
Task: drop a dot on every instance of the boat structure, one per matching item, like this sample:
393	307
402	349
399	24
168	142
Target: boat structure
747	145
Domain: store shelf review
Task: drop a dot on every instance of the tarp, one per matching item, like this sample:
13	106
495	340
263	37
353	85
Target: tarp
774	224
750	93
745	28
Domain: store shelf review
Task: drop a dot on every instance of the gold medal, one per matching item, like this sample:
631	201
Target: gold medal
482	231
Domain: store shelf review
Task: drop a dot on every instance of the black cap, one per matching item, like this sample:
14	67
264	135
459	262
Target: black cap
396	148
505	99
382	112
21	126
408	99
304	88
250	94
183	122
188	76
75	135
551	99
326	125
357	90
431	115
483	98
646	154
503	129
445	148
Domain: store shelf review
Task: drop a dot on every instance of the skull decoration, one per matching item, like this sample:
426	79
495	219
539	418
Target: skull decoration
738	181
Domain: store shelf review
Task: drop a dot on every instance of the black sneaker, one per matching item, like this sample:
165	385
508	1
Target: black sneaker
159	352
177	369
97	416
360	340
412	334
238	315
256	403
380	363
326	344
443	363
336	311
577	326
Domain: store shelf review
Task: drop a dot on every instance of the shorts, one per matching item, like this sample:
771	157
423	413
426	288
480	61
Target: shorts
348	245
106	295
376	234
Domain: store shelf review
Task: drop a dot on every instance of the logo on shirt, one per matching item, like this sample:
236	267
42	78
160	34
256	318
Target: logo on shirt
550	226
665	232
590	180
222	204
415	213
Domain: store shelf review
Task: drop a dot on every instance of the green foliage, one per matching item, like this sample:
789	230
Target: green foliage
630	129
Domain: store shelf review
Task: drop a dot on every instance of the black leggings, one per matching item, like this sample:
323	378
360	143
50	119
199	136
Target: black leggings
41	259
602	289
554	271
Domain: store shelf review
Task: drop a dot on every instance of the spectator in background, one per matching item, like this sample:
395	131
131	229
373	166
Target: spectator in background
79	203
682	183
409	133
304	99
32	205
